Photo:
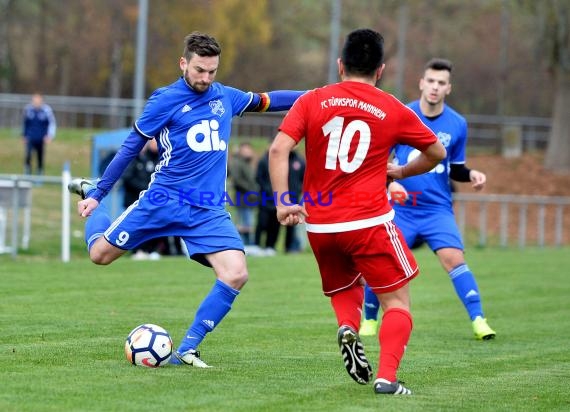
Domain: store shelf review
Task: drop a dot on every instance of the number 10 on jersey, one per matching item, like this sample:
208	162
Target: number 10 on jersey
340	139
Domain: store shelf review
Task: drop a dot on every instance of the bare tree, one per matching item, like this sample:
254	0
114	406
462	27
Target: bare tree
5	61
556	42
88	47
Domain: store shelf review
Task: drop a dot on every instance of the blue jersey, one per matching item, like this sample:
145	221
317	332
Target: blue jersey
432	189
193	132
186	195
38	123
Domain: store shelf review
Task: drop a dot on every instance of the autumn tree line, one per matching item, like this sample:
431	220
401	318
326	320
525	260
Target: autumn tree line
512	57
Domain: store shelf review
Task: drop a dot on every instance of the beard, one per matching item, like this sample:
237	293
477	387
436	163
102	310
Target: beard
198	86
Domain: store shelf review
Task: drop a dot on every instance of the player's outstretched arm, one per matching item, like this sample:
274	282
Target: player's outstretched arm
426	161
275	101
130	148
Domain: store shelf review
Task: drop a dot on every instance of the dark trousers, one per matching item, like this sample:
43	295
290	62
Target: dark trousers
38	147
292	242
267	223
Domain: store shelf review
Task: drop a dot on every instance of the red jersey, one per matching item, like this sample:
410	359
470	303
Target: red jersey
349	130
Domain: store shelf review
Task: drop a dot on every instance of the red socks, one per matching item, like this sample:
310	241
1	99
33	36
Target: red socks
395	329
395	332
347	305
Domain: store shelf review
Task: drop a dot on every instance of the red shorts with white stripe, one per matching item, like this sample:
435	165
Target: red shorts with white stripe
379	254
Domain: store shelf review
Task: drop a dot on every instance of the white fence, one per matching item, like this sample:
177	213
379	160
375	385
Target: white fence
71	111
485	131
16	199
495	220
508	220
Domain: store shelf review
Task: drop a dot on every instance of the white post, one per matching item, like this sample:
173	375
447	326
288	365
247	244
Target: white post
333	40
15	215
65	215
140	67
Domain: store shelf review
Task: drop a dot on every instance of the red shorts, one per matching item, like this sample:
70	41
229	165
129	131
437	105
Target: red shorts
379	254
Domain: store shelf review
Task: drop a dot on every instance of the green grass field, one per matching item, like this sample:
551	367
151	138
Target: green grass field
63	329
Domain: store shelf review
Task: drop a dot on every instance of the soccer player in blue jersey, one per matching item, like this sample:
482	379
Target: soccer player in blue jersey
427	215
186	197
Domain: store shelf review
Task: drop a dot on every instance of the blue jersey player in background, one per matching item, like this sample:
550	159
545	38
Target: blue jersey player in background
186	197
38	129
423	203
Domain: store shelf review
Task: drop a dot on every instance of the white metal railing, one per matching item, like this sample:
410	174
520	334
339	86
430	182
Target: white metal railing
15	197
491	215
494	216
111	113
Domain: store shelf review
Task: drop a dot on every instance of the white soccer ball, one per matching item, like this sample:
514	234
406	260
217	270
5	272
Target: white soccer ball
148	345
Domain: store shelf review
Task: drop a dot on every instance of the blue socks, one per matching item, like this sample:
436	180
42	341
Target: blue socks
467	290
210	313
463	282
371	304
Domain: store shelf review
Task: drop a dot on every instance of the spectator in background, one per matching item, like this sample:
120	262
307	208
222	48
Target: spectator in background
38	129
138	173
267	223
242	173
293	242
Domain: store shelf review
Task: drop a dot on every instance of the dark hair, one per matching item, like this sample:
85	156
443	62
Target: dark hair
363	52
439	64
200	44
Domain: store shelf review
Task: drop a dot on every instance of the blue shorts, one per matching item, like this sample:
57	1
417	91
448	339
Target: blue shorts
435	227
203	230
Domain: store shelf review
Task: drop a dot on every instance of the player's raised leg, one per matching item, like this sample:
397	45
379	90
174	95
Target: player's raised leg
100	251
231	273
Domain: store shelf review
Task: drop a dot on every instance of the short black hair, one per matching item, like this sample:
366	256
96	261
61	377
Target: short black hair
201	44
437	63
363	52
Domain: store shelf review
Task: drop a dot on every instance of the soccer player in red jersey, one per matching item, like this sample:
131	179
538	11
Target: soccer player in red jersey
349	128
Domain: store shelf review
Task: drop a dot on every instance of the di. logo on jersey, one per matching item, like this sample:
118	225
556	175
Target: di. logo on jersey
204	137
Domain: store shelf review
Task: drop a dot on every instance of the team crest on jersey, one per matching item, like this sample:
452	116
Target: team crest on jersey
444	138
217	107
